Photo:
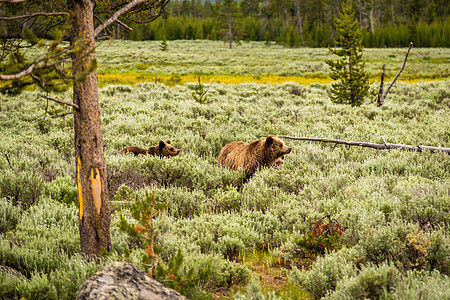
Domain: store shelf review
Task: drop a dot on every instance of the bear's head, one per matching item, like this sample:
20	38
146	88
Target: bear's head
276	147
166	149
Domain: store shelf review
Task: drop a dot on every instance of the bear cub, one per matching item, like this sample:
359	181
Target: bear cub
254	155
162	149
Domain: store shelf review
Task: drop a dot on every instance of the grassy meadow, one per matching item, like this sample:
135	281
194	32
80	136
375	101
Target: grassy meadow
130	62
391	208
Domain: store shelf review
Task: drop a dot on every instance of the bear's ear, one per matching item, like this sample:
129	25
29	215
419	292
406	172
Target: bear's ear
167	142
161	145
269	141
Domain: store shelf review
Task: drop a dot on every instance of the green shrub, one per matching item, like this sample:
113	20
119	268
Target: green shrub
258	196
438	257
224	273
224	201
9	215
386	282
62	283
324	275
49	232
369	283
391	204
114	89
187	283
45	248
184	171
124	193
181	202
422	284
62	189
22	187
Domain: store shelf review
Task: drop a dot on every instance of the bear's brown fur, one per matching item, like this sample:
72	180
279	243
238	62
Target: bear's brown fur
254	155
162	149
134	150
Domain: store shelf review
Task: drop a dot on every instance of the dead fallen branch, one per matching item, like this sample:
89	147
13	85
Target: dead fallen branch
369	145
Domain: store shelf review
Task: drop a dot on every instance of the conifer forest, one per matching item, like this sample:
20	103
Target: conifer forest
300	23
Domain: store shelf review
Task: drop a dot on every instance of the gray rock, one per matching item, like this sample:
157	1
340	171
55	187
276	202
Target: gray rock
122	280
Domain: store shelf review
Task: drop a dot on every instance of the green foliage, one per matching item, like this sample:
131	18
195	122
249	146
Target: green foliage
253	292
427	24
44	247
429	285
199	93
22	187
187	283
143	210
250	60
353	81
62	189
392	205
181	202
9	215
319	245
124	193
385	282
164	46
370	283
323	277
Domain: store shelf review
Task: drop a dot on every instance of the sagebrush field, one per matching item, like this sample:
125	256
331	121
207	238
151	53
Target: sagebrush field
391	208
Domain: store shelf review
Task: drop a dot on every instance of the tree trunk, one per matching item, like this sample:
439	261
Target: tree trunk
230	33
371	18
94	215
298	17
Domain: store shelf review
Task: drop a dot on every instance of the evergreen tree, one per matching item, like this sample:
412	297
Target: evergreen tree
353	82
65	33
229	16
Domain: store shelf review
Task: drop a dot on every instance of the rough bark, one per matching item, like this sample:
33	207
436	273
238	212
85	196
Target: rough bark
94	214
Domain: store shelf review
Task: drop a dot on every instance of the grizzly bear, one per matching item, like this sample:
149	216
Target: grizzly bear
254	155
162	149
134	150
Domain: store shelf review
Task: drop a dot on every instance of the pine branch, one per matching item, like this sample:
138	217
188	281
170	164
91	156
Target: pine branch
35	15
124	10
62	115
60	101
14	1
34	65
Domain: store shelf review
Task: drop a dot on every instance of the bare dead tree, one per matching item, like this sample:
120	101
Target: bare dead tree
382	96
